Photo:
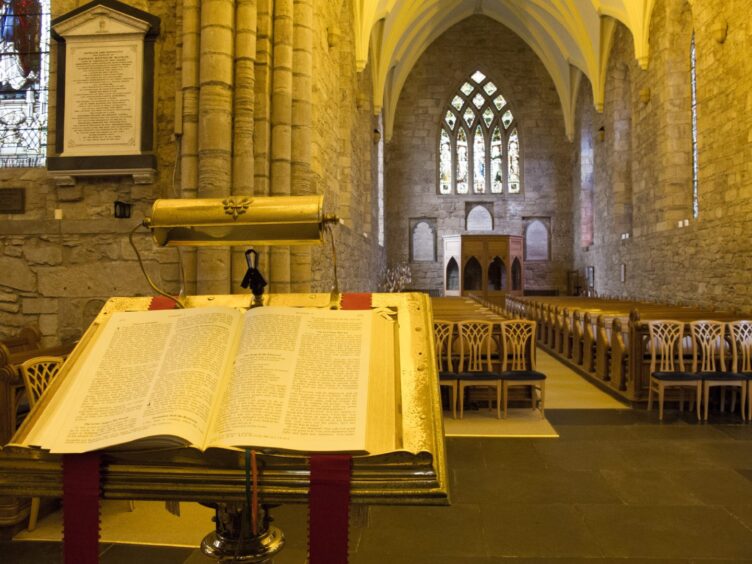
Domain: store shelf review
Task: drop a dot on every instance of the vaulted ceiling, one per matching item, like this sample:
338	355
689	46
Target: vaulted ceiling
571	37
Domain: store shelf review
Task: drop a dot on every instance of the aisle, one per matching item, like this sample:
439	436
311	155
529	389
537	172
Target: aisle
565	389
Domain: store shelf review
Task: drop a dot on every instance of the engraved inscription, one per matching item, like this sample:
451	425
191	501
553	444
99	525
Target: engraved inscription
104	105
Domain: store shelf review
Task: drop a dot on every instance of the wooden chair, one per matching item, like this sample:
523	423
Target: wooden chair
708	361
37	374
443	333
518	361
741	356
667	364
476	366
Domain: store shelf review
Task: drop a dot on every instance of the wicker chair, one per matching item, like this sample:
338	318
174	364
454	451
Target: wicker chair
443	333
37	374
518	362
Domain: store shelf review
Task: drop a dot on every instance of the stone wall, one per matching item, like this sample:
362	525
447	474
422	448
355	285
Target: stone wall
708	261
411	160
56	274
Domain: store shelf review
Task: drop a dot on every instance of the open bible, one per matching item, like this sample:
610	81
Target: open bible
300	379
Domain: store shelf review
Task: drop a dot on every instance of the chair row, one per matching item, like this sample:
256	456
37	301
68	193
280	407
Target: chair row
719	355
486	354
606	338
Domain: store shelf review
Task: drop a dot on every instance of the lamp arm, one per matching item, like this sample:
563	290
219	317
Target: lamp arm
148	279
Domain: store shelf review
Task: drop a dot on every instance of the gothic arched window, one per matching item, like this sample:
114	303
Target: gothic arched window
479	142
24	76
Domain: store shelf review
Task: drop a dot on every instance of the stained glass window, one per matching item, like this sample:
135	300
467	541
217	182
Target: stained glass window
513	154
479	162
462	161
479	145
497	184
24	75
693	94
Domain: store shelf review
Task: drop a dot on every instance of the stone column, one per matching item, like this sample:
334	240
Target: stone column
281	121
189	66
261	118
215	130
300	268
244	102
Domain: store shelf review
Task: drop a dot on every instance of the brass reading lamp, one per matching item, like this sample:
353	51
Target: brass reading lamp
238	220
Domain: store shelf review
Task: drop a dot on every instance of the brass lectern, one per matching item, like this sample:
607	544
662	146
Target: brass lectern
414	473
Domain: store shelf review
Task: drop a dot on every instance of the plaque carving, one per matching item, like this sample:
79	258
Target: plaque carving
12	200
105	97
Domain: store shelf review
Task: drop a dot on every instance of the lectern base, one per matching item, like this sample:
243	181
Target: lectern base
227	543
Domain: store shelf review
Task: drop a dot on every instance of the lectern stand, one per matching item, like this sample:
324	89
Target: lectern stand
414	473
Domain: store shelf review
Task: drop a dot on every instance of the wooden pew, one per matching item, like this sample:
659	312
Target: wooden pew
606	338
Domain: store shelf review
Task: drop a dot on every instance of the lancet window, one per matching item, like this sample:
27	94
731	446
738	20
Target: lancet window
479	142
693	94
24	76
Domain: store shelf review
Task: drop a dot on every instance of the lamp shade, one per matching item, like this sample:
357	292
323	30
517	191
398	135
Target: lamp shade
238	220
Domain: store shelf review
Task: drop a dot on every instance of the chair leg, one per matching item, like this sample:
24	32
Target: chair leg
707	398
743	400
34	513
461	400
681	400
650	395
505	394
498	401
699	398
453	399
131	505
661	393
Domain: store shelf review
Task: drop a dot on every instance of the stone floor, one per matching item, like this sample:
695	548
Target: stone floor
616	485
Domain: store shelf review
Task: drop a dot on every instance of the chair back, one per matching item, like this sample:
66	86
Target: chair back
443	333
666	345
708	345
518	345
475	345
37	374
741	345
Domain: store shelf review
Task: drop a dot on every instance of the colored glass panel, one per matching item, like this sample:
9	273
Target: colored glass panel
499	102
507	119
478	76
497	180
478	100
469	116
479	162
467	88
24	75
457	102
445	163
450	118
490	88
462	162
513	154
488	116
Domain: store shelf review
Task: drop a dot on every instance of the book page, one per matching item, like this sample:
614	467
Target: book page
148	374
300	381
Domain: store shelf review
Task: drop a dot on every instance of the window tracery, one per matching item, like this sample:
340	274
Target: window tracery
479	143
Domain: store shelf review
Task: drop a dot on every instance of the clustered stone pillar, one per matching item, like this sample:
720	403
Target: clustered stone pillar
244	132
215	130
300	267
281	124
242	147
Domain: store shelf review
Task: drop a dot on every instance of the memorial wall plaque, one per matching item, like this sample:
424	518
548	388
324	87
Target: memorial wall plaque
12	200
105	92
